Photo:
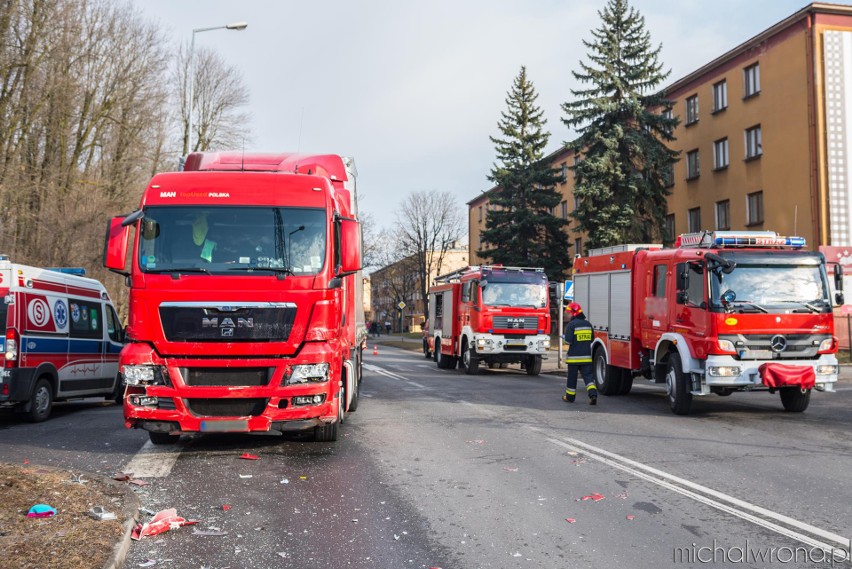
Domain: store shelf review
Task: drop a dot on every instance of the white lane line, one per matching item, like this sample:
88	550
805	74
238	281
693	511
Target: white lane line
153	461
735	506
396	376
427	366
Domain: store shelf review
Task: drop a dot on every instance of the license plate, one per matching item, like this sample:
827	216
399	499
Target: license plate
756	354
237	426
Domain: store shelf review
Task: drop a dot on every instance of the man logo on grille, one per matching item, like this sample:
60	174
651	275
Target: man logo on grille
228	332
778	343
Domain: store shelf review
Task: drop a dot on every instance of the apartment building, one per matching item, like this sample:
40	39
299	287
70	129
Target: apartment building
765	137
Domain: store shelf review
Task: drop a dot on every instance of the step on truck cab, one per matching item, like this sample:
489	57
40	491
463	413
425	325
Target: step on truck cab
492	315
721	312
245	296
61	339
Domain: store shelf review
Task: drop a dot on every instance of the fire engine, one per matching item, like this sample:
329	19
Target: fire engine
720	312
61	338
494	315
245	297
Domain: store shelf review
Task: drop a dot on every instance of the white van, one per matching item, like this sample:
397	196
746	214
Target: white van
61	338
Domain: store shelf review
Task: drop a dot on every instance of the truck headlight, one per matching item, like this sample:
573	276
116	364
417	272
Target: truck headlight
826	345
544	344
304	373
483	343
826	370
143	375
724	371
726	346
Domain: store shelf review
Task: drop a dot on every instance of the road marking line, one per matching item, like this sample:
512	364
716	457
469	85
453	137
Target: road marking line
153	461
396	376
735	506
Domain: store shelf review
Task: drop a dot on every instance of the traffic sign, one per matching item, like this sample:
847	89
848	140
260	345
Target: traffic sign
401	305
569	291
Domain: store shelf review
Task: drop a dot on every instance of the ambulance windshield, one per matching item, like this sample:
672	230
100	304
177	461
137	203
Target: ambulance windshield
526	295
771	288
218	240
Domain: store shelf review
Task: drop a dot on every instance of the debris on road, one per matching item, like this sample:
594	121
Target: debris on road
226	507
148	563
245	475
570	520
284	481
476	442
41	511
593	496
164	521
211	531
100	513
247	456
629	517
510	468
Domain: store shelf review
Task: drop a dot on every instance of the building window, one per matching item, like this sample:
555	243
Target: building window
692	170
754	208
577	202
564	211
720	96
751	80
753	142
578	246
669	228
720	154
563	172
723	214
693	220
692	109
668	176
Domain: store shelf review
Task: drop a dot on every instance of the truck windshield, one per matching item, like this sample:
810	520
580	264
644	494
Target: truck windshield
515	294
771	288
218	240
4	308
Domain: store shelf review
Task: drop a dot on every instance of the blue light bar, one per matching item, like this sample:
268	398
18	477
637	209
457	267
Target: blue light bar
79	271
779	241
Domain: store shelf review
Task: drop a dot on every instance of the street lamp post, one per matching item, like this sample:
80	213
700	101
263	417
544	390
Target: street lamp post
233	26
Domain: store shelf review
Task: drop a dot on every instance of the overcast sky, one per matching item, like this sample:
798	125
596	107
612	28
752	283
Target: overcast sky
413	90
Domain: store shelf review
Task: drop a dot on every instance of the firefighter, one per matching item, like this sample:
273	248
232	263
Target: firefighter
578	334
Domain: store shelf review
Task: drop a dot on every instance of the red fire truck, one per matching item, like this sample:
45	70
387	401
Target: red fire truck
245	296
494	315
721	312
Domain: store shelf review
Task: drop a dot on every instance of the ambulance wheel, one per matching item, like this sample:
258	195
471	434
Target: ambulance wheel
794	399
626	382
118	391
534	365
41	402
163	438
677	387
607	377
470	362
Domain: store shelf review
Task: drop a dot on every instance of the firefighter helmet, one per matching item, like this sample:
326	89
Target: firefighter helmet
574	308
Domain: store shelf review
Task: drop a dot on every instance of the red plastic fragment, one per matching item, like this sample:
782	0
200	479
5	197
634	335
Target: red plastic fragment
570	520
594	496
248	456
226	507
164	521
629	517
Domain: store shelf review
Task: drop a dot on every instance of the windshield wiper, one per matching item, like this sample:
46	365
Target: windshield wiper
751	304
180	270
281	272
809	306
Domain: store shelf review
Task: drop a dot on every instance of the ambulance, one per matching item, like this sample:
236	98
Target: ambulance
61	339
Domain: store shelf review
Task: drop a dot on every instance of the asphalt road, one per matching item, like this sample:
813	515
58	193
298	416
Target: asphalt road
441	469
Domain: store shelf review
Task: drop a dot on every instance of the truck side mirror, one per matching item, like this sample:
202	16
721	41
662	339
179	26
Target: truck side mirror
838	277
838	299
682	297
682	278
350	247
465	295
115	245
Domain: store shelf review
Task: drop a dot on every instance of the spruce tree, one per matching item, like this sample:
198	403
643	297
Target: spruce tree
520	228
623	124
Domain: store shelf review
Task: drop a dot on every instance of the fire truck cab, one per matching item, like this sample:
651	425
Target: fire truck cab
721	312
491	315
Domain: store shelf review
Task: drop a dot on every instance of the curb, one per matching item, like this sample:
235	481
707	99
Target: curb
129	511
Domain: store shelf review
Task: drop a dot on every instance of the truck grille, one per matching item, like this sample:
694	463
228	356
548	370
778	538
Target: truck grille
759	346
516	322
226	407
232	377
215	322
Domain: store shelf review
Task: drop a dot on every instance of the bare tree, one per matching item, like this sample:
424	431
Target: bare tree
219	94
429	224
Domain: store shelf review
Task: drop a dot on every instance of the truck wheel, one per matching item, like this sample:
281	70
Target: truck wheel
534	365
41	402
677	387
442	359
163	438
426	353
469	360
626	382
794	400
327	433
356	390
436	348
607	377
117	391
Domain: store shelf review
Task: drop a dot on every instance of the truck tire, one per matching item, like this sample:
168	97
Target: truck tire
356	391
41	402
469	360
534	365
444	361
794	400
426	353
607	377
118	391
626	382
163	438
677	386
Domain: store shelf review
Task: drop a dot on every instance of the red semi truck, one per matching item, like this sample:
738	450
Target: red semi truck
245	296
492	315
720	312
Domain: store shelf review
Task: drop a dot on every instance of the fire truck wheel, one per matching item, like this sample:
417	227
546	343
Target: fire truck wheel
470	362
607	377
626	382
677	387
328	433
353	404
163	438
794	400
41	402
437	346
441	359
534	365
426	353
